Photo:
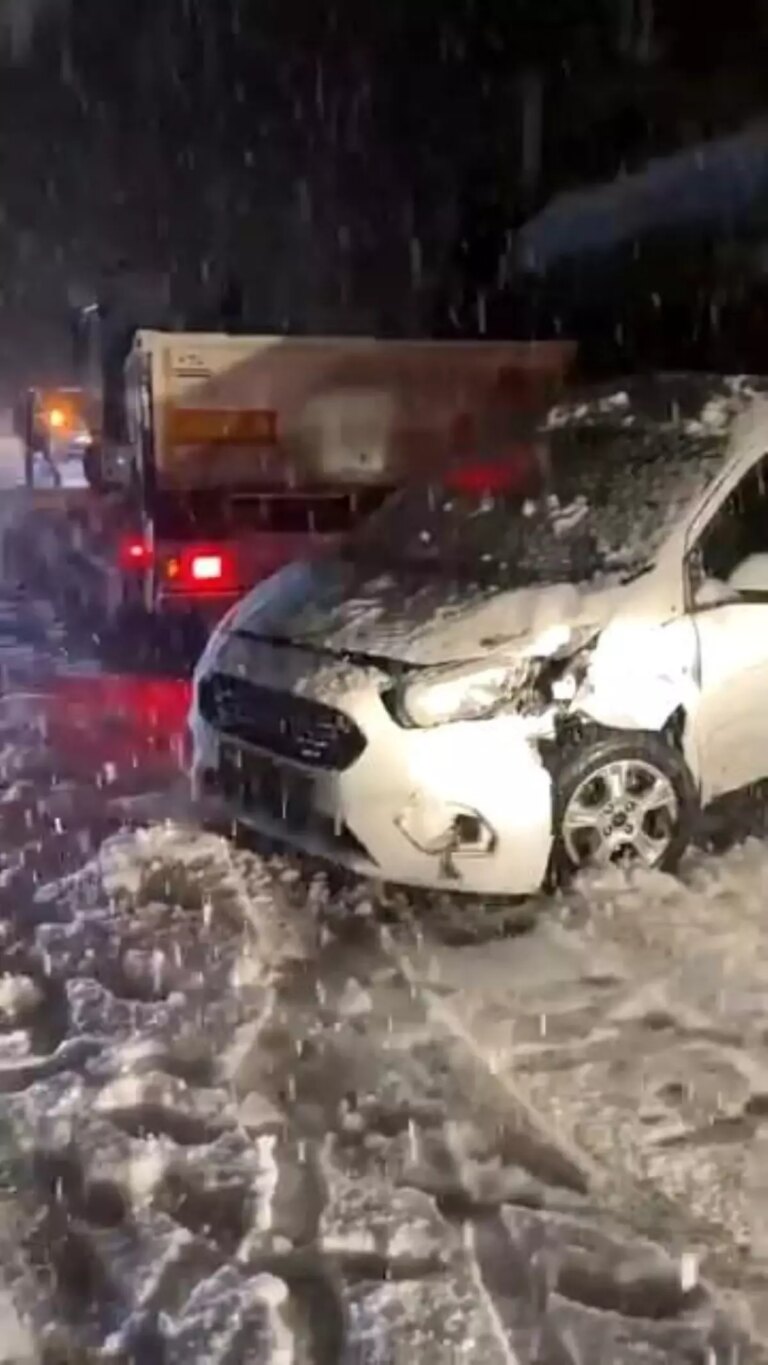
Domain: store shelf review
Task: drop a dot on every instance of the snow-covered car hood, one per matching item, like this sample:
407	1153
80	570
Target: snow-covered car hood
329	605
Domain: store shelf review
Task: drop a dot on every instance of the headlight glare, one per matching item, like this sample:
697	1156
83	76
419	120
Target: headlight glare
440	698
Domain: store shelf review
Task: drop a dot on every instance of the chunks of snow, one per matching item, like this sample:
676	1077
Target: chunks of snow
375	1219
257	1115
19	997
228	1310
430	1321
354	1000
17	1345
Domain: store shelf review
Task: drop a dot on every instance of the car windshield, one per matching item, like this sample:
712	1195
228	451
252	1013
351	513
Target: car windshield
599	501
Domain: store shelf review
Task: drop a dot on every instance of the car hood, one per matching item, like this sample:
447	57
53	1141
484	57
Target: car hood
333	607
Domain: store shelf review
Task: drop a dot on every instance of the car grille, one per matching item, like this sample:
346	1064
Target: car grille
258	783
291	727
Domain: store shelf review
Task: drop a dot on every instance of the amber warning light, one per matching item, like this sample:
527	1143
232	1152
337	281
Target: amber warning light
60	413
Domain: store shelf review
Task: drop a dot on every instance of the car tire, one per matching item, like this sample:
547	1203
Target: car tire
650	768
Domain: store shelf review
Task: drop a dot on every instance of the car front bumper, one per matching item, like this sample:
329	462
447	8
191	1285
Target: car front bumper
463	807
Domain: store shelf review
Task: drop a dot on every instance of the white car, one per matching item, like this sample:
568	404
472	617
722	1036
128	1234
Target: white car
480	692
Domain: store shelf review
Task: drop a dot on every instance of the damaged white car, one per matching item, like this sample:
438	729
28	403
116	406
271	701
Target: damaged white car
480	692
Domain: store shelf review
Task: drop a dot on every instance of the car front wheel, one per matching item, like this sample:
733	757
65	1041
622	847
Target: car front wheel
623	799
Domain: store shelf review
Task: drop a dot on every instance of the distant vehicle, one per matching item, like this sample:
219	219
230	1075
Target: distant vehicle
215	459
53	427
485	689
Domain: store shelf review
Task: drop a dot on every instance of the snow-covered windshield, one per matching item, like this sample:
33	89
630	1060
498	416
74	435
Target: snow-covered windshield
601	502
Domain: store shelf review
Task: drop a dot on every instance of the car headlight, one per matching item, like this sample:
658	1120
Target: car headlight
564	669
475	691
468	693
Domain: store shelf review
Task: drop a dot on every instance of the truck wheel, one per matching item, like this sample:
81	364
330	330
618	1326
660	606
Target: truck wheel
623	798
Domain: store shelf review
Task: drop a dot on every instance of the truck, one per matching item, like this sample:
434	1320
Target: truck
214	459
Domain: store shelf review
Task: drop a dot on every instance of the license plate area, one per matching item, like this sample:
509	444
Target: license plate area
257	782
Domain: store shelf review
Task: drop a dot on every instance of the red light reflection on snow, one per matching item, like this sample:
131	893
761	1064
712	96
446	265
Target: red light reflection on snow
128	722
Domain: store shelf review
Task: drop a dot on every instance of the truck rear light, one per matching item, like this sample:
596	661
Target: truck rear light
201	569
206	568
135	553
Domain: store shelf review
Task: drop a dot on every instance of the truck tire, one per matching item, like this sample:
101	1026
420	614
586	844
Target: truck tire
622	797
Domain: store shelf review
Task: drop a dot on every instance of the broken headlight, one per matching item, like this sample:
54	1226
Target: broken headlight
471	692
441	696
563	671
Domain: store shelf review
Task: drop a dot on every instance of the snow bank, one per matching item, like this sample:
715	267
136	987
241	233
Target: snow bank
177	862
17	1346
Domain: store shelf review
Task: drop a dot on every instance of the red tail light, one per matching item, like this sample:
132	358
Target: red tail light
203	568
134	553
206	568
516	471
481	478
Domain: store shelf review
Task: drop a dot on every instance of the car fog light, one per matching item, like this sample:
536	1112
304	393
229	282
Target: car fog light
440	827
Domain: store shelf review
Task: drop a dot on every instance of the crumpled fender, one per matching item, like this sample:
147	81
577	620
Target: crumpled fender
639	674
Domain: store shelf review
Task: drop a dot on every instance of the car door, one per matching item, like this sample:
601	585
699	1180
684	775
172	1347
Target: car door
730	724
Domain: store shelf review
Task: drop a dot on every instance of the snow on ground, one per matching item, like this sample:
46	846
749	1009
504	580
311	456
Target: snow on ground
70	473
241	1124
634	1017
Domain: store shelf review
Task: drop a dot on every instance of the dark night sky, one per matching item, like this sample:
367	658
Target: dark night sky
355	167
